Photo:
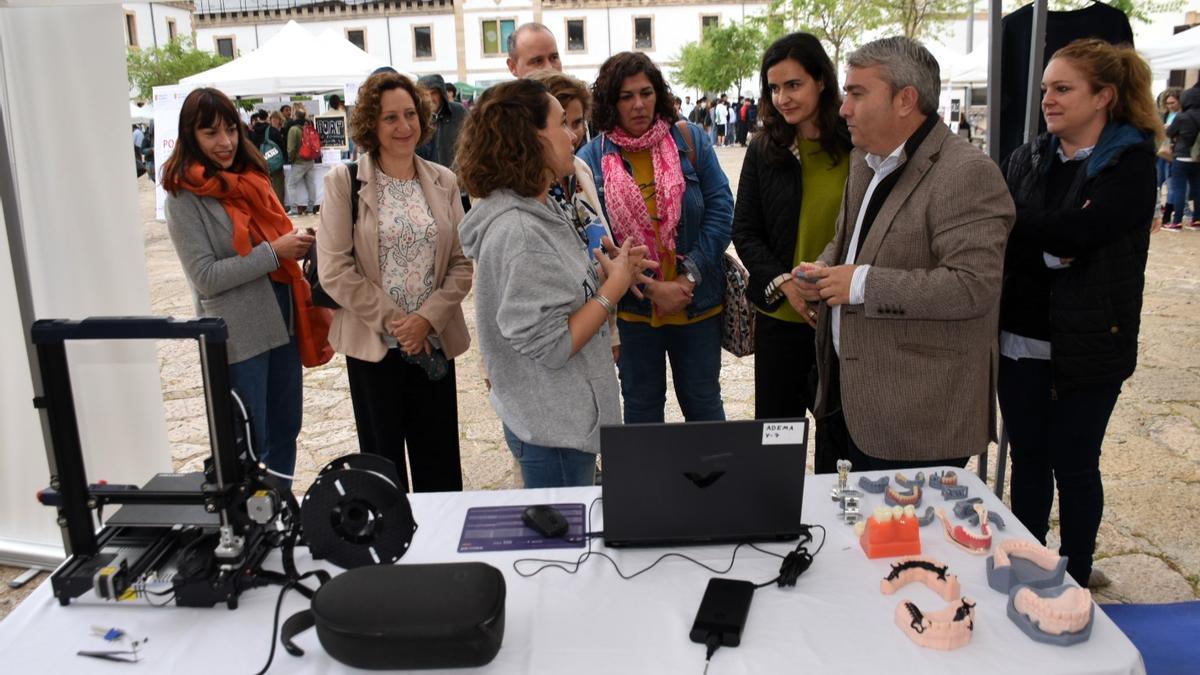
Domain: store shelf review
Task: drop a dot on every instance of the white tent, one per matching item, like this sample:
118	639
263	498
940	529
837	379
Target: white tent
972	68
141	114
1179	52
293	61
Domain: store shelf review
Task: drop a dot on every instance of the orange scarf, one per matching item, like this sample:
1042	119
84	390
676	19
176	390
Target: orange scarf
258	216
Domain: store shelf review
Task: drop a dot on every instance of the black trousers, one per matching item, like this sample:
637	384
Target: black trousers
842	445
785	378
1056	438
396	405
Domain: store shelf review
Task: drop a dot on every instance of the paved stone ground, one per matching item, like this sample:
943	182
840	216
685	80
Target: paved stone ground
1151	460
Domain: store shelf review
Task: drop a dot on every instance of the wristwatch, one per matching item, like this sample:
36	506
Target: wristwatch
687	274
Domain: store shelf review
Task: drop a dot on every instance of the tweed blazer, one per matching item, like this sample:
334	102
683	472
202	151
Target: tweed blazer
224	284
919	358
350	271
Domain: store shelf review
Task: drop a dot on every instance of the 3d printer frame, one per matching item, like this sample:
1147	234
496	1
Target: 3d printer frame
113	560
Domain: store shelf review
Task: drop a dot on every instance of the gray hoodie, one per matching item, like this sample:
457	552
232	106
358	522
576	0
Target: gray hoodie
531	273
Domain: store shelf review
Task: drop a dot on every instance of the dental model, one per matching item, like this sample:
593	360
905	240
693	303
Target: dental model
963	509
876	486
1021	548
890	533
903	480
954	492
968	541
843	479
993	518
940	480
1020	562
927	517
1061	615
912	497
948	628
928	571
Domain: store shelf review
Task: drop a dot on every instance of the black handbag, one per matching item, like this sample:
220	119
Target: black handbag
319	296
401	617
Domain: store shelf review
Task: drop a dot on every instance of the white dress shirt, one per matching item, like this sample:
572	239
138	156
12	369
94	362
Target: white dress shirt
882	166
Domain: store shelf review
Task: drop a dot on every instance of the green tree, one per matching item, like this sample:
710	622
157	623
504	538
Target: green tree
149	68
724	57
918	19
839	24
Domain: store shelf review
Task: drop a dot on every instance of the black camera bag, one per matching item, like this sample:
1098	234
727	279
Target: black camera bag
403	617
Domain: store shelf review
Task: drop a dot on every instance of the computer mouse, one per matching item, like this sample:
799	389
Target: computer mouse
545	520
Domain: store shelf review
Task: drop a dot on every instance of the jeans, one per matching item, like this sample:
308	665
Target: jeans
544	467
1162	169
302	172
695	354
270	386
1056	439
1185	179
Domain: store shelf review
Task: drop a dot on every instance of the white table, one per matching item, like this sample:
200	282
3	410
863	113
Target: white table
834	621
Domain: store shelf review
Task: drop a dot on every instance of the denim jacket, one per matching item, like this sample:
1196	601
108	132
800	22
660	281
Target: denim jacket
705	226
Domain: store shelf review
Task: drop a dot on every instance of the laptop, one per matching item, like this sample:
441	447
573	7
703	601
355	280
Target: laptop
703	482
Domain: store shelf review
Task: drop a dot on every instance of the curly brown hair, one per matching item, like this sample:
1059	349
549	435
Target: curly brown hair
607	89
365	118
499	147
564	88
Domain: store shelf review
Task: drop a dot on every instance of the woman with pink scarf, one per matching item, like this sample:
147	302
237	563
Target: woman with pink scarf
660	184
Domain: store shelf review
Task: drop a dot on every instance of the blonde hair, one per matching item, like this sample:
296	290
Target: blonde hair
1122	69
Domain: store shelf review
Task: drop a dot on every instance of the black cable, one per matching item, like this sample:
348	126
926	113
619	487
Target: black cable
576	564
275	625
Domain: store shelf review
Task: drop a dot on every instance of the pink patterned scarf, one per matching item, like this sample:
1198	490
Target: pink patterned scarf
627	213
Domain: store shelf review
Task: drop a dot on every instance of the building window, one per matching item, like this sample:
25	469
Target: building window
131	29
422	42
225	47
357	37
172	31
576	40
709	21
495	35
643	32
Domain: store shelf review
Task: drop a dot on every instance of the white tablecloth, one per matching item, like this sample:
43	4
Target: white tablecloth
300	196
834	621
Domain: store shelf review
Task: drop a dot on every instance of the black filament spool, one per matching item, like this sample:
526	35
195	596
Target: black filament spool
354	518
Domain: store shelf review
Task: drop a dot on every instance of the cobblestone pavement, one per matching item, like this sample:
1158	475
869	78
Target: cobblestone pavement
1151	459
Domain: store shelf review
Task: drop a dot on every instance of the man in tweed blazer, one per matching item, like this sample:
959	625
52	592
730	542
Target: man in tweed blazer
909	288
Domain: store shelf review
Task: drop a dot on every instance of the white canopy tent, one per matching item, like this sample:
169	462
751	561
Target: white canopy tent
1179	52
293	61
141	114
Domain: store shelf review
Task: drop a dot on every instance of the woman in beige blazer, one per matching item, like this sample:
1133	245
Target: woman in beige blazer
398	271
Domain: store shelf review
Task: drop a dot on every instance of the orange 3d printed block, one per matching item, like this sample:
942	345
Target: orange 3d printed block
891	532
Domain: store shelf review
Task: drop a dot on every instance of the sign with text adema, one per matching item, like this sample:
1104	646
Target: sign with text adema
168	101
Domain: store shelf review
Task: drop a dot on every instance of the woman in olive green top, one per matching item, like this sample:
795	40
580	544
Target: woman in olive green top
787	206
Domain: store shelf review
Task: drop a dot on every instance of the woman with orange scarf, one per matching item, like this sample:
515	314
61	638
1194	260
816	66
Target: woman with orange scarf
239	251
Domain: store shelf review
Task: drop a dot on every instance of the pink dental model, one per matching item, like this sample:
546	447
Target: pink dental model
928	571
1070	612
948	628
968	541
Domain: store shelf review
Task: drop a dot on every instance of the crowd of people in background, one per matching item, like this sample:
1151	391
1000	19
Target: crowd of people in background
899	278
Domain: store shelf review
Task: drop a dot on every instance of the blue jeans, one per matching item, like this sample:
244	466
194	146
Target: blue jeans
270	386
1185	179
1162	169
544	467
695	354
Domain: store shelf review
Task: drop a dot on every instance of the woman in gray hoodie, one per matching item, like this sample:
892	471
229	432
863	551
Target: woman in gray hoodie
541	306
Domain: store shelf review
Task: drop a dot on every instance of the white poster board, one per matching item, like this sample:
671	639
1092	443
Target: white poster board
168	101
76	198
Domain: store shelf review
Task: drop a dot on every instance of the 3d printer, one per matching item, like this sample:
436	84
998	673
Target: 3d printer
198	538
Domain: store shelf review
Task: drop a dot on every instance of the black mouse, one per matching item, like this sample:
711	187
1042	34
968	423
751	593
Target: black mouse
545	520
